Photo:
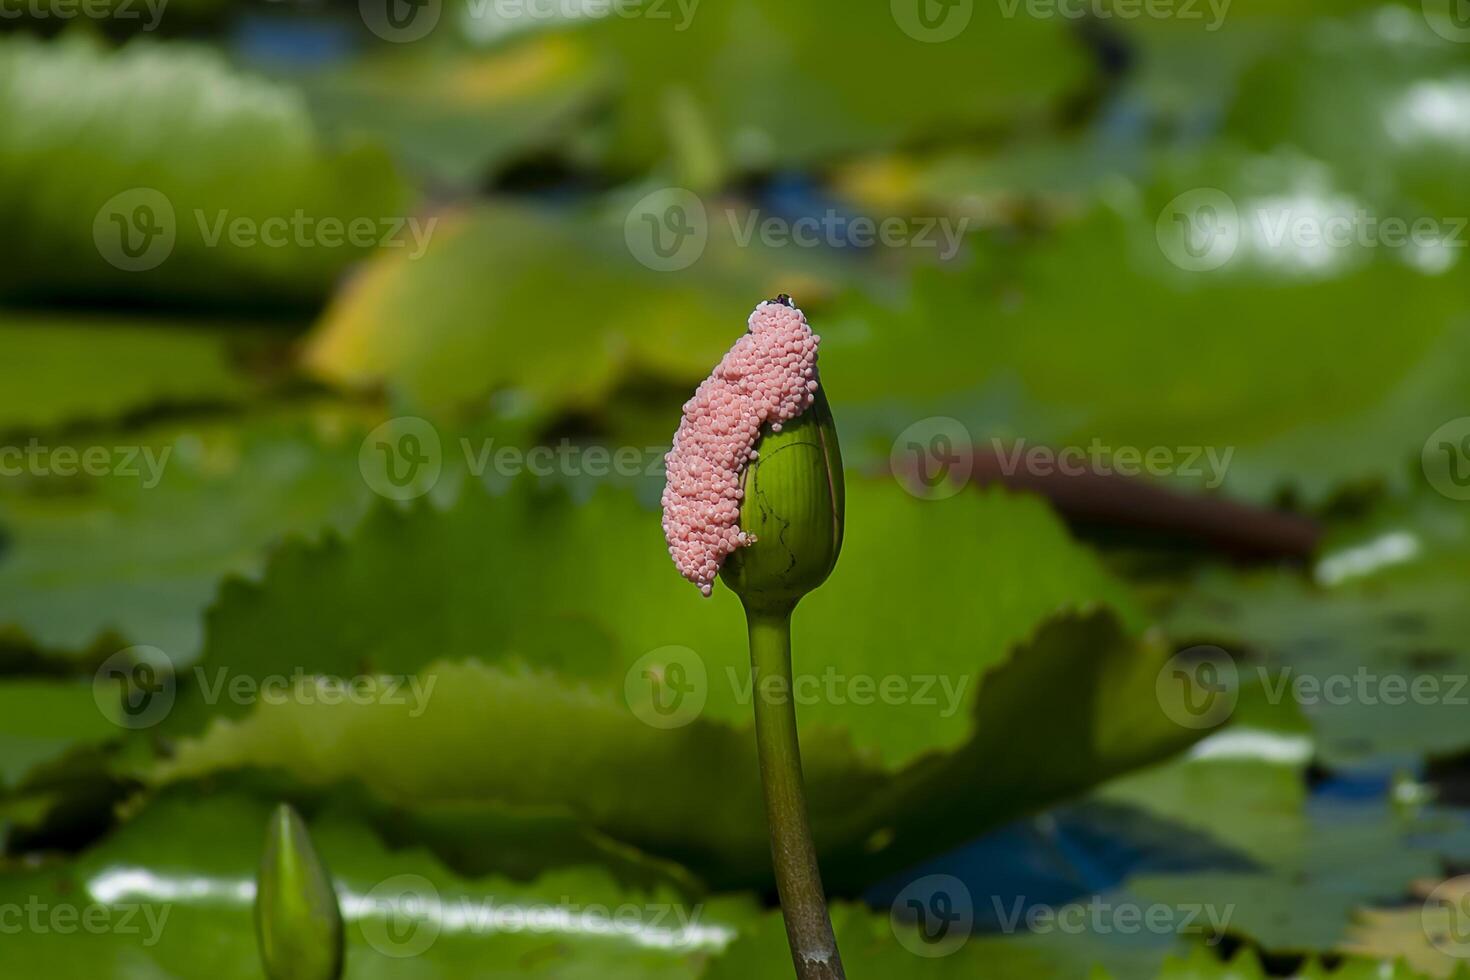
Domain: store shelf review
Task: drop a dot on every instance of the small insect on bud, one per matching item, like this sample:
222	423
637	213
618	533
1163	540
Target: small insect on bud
297	920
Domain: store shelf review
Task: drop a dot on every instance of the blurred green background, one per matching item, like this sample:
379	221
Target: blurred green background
339	348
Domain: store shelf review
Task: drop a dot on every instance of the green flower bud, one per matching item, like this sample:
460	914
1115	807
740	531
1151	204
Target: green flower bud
793	507
297	920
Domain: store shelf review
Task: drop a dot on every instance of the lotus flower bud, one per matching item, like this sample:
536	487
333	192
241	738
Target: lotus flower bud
791	511
754	491
297	920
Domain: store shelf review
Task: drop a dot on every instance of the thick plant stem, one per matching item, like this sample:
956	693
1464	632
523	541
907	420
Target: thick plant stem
803	903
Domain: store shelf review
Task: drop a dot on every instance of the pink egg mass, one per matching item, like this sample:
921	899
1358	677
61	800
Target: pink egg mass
770	375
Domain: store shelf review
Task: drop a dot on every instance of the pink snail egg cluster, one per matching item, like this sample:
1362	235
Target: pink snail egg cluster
770	375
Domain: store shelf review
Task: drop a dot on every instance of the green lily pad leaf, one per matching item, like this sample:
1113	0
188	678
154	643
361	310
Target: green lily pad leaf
170	894
762	85
454	118
1227	407
1425	933
90	147
131	553
1305	903
881	946
486	311
699	800
1370	642
1202	965
1402	95
1298	878
527	841
1213	19
514	576
62	371
41	721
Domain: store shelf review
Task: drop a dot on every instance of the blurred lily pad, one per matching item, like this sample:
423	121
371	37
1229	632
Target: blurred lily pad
1404	94
551	671
1298	877
62	371
1260	365
470	583
174	886
486	311
453	118
41	721
170	894
1370	644
93	179
130	551
760	85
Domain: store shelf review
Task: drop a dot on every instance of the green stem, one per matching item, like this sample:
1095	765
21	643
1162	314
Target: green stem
799	881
